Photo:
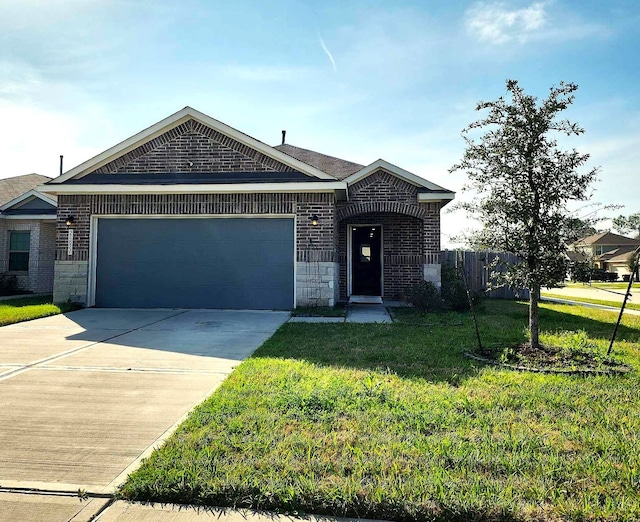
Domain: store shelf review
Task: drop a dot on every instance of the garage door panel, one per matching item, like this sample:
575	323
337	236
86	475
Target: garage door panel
195	263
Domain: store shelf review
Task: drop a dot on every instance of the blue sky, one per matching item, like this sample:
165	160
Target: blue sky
358	80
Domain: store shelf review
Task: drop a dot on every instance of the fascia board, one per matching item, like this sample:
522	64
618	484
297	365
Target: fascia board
26	195
227	188
443	197
39	217
396	171
173	121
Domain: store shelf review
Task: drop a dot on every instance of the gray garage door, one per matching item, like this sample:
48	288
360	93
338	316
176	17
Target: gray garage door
195	263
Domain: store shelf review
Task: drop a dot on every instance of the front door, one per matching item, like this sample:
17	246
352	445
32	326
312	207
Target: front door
366	266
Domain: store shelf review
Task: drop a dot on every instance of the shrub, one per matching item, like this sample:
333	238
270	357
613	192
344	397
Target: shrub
425	297
454	292
8	284
581	272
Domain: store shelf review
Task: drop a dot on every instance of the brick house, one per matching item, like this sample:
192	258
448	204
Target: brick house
27	234
191	213
608	251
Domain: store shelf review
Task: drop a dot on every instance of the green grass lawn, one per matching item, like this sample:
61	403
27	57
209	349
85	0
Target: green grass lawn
606	286
27	308
614	304
392	422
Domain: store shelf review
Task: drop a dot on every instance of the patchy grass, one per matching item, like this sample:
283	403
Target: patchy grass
392	422
27	308
320	311
412	316
601	302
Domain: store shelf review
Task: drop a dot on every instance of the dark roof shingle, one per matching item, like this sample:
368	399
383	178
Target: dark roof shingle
336	167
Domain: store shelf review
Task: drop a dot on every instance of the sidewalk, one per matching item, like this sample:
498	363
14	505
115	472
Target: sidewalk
122	511
589	305
599	294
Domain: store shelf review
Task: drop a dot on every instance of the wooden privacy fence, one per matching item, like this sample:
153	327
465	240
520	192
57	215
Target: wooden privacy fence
479	276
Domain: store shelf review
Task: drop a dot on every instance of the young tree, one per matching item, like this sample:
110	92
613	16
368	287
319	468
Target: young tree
523	182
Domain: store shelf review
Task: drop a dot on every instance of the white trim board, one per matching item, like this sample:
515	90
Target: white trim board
409	177
27	195
170	122
40	217
219	188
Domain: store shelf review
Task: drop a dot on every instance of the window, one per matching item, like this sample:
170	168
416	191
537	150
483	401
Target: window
365	253
19	251
599	250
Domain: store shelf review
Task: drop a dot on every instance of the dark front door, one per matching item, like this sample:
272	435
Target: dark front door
366	269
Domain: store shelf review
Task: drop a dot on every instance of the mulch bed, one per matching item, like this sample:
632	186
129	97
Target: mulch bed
546	359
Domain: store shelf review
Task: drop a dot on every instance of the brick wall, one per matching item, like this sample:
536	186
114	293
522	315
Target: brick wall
402	247
193	147
411	230
314	243
39	277
47	256
382	186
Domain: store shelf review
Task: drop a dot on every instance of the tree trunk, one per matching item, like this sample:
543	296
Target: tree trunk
534	297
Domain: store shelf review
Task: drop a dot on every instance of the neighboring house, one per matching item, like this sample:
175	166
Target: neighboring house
192	213
610	252
27	233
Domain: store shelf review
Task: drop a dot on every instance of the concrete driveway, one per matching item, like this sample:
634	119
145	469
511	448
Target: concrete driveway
84	396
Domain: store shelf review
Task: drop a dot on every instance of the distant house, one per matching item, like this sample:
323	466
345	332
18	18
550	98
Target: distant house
610	252
27	233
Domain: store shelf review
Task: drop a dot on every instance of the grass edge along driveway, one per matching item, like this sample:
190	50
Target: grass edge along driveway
391	422
27	308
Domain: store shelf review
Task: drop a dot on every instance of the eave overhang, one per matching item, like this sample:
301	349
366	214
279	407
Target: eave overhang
337	187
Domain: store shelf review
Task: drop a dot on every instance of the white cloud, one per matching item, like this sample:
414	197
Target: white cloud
328	53
495	23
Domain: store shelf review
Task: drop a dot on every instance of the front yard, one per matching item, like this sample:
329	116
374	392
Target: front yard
27	308
392	422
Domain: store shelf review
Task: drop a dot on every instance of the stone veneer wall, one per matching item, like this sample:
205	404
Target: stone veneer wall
315	245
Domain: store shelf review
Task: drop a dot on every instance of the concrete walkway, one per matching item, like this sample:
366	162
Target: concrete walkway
86	395
368	313
356	313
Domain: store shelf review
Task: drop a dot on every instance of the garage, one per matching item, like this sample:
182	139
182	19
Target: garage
236	263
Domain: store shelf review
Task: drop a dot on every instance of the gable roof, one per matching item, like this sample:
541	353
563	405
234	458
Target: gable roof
12	188
26	197
337	167
427	191
165	125
353	172
621	255
607	238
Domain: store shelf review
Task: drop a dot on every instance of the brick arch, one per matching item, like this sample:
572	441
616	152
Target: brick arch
370	207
